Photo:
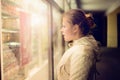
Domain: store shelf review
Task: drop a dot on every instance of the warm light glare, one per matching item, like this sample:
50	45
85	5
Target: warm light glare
38	12
35	20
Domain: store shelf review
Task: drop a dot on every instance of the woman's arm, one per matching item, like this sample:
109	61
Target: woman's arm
81	62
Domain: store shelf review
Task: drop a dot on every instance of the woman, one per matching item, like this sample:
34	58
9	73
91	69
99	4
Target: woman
78	60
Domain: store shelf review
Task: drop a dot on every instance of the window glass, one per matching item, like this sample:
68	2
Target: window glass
39	39
24	39
57	37
60	3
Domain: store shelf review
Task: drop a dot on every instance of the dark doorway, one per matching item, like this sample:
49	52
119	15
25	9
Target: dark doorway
118	26
100	31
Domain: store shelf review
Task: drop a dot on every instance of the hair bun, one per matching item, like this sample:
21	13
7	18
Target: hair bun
90	20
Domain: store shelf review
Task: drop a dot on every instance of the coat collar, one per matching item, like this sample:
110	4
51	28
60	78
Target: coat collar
86	40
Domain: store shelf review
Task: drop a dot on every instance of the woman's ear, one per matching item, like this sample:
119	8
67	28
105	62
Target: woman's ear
76	28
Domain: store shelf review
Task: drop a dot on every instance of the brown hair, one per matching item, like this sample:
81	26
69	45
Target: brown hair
90	19
78	16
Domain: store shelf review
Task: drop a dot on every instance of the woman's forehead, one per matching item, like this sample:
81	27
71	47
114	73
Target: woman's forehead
67	20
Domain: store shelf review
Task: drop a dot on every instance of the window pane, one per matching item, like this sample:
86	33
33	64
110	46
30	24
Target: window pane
57	38
24	40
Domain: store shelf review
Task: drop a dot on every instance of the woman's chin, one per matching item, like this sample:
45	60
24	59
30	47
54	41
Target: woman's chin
67	40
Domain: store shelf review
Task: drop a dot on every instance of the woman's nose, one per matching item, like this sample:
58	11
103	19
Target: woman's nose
61	29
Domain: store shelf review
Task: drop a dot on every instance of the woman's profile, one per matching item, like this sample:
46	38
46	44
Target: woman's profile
77	61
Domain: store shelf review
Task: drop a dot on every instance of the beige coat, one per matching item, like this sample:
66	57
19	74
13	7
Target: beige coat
77	60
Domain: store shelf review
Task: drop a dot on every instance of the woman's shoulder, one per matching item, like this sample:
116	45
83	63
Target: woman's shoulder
79	50
82	47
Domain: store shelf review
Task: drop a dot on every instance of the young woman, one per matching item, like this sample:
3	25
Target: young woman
78	60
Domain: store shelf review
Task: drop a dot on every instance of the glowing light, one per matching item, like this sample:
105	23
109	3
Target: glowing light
35	20
37	11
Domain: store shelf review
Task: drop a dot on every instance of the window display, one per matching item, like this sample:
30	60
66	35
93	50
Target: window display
10	41
25	36
57	38
24	46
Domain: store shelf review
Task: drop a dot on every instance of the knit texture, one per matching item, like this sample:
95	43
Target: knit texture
78	59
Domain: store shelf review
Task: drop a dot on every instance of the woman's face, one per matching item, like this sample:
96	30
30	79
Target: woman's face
67	29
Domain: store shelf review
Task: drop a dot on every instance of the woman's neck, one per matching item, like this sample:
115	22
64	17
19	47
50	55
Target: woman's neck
78	36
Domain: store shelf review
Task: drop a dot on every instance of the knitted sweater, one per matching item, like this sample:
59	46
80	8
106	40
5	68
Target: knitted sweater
76	62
